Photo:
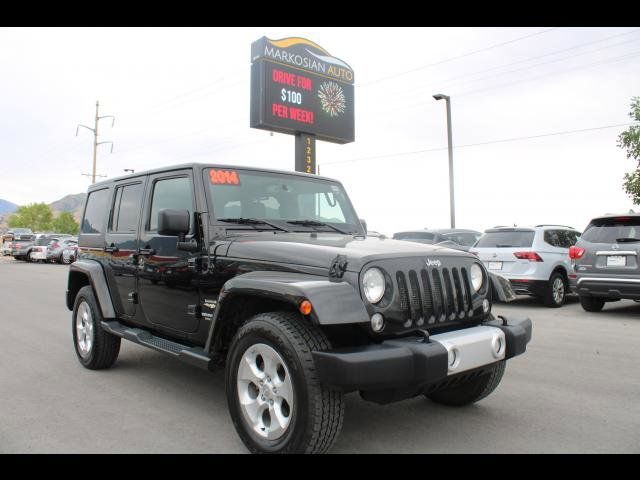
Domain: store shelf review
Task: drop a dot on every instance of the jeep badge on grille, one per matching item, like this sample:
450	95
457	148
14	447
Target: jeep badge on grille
433	263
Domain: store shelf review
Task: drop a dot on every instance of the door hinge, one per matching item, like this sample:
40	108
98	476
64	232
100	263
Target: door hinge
194	310
132	297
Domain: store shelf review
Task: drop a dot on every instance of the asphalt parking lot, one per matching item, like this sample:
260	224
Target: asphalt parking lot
576	390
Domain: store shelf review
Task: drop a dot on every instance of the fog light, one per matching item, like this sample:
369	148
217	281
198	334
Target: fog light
377	322
486	305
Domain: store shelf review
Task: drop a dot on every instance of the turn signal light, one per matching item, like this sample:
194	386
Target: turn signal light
576	252
305	307
531	256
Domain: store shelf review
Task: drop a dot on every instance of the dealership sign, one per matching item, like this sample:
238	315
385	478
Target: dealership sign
297	87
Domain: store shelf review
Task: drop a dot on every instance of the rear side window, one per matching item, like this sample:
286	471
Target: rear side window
553	238
170	193
95	212
126	209
613	230
506	239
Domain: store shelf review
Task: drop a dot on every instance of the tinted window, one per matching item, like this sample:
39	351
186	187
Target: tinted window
506	239
613	229
170	193
466	239
552	237
414	236
96	212
126	211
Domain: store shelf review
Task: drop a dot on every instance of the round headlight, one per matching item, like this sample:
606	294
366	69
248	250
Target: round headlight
373	284
477	277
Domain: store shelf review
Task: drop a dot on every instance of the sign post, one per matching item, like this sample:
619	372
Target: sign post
298	88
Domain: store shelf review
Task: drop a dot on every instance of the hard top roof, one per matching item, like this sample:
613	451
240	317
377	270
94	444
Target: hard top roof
201	166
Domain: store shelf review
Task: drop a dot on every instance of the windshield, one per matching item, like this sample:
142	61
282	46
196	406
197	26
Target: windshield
466	239
612	230
280	198
506	239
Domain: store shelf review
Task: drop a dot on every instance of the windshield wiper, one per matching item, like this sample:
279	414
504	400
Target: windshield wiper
315	223
252	221
627	239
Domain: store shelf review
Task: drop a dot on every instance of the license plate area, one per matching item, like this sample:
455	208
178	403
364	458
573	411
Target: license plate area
494	266
472	347
616	261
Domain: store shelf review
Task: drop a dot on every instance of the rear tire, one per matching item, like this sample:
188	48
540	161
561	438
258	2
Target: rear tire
96	349
312	419
591	304
556	291
470	391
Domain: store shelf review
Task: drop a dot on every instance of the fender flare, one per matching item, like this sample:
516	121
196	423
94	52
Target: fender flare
94	272
334	303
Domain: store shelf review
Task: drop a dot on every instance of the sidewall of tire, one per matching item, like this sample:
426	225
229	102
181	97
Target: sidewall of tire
299	430
549	301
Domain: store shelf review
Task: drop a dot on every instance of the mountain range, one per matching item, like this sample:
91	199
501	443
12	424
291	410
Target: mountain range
69	203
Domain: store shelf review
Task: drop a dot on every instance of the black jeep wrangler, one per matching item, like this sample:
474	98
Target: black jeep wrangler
271	276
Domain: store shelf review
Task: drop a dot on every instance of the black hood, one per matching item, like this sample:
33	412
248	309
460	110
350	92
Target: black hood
319	250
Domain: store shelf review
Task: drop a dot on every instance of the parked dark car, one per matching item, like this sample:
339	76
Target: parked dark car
458	238
23	240
605	261
271	276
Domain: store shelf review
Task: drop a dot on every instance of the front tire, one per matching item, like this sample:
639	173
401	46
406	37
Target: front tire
96	349
275	398
470	391
556	291
591	304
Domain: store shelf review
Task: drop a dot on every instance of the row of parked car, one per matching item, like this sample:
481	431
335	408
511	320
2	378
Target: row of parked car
549	261
23	244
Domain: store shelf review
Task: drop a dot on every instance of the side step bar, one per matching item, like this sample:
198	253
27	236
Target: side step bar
193	355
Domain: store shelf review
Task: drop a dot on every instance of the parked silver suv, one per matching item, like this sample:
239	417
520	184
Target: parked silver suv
534	259
606	261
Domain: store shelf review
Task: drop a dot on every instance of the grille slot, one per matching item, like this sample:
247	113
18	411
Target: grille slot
402	291
434	295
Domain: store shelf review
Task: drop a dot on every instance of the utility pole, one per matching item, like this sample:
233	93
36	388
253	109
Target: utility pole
452	204
95	140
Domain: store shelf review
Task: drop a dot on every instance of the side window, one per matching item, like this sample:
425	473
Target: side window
95	212
126	208
552	238
170	193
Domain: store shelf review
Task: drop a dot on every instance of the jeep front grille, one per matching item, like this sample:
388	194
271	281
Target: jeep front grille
435	295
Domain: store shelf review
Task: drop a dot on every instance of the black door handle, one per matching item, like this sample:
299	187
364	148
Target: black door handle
111	249
146	251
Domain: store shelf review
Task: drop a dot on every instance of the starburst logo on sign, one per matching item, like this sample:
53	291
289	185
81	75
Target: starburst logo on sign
332	98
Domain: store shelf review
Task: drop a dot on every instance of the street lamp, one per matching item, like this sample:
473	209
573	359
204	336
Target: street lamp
452	207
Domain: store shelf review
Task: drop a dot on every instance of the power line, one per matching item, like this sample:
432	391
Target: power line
504	140
447	82
473	52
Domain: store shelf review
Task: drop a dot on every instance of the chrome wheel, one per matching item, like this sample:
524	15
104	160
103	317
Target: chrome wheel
265	391
558	290
84	329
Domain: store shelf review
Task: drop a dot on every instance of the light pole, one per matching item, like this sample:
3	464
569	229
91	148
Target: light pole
452	207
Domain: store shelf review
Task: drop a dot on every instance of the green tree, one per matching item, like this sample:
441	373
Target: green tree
630	140
65	223
36	216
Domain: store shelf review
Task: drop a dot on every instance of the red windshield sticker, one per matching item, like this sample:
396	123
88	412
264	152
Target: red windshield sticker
224	177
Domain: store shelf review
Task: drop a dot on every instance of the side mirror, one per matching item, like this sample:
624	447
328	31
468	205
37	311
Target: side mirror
364	225
173	222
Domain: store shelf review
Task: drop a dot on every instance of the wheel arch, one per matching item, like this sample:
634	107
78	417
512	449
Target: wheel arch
333	303
86	272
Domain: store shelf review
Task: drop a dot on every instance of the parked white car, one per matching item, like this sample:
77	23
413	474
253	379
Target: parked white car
534	259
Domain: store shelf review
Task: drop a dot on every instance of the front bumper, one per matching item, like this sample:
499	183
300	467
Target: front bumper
613	288
411	363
